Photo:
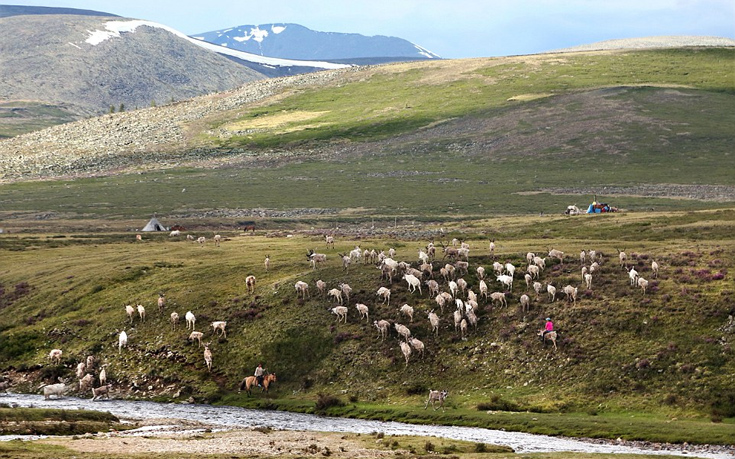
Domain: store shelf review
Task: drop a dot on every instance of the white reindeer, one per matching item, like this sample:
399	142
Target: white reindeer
336	294
384	293
407	311
406	350
341	313
382	326
363	310
191	320
55	356
208	357
434	321
122	341
250	284
302	289
413	283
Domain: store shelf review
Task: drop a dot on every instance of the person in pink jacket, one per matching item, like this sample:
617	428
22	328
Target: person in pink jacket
549	327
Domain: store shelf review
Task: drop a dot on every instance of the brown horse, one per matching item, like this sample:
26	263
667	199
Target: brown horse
550	336
251	381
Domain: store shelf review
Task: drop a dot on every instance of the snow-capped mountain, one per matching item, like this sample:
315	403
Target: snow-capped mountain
293	41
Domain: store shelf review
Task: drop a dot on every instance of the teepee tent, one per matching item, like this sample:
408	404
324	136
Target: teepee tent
154	225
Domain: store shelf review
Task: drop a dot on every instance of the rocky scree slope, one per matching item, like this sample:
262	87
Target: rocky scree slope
114	141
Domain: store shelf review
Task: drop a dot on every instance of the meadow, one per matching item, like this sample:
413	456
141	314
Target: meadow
664	357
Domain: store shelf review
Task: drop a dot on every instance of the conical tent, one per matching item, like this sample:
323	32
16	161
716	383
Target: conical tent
154	225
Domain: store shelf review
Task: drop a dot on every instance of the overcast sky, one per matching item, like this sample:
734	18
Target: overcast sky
449	28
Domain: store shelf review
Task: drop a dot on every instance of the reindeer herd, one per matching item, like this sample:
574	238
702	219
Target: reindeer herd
446	289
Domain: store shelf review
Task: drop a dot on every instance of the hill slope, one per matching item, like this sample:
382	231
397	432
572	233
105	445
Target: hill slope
545	129
21	10
668	351
56	60
672	41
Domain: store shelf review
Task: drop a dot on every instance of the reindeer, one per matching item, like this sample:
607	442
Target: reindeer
315	258
451	252
436	396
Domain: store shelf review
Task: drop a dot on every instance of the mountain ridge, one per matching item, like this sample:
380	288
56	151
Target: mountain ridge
294	41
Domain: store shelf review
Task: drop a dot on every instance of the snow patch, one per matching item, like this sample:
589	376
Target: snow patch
256	34
115	28
277	29
425	52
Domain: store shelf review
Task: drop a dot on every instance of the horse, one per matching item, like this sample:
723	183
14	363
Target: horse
551	336
251	381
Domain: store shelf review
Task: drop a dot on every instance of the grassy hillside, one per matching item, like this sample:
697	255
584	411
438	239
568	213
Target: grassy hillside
666	353
521	135
17	118
382	102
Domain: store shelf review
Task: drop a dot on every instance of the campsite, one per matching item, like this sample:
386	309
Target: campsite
153	225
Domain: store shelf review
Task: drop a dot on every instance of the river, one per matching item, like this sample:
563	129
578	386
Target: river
228	417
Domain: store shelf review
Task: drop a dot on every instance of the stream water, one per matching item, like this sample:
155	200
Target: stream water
227	417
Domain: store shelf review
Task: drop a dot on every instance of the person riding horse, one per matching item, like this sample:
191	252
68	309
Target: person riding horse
259	372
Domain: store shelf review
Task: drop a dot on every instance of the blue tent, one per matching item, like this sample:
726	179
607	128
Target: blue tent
598	208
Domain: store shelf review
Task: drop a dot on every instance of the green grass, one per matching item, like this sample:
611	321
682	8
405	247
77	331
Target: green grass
617	119
39	414
18	118
392	102
45	421
530	174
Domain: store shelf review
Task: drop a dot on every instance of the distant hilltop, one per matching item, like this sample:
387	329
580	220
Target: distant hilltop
671	41
20	10
294	41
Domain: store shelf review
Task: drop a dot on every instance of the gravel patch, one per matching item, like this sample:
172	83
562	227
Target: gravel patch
715	193
184	439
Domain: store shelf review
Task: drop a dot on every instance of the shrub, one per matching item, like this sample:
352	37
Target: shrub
345	336
416	389
326	401
16	346
497	403
670	399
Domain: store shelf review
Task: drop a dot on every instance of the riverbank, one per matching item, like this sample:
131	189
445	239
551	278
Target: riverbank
185	423
630	426
170	437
